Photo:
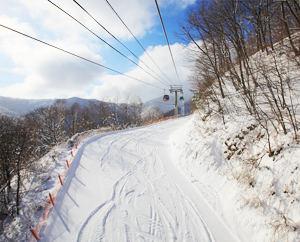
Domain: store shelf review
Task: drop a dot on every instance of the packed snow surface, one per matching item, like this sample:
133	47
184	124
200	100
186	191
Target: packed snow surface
126	186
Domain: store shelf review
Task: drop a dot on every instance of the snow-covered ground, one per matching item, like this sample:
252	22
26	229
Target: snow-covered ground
231	167
129	186
186	179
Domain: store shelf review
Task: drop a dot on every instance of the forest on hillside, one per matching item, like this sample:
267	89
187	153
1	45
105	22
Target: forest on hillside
245	57
25	139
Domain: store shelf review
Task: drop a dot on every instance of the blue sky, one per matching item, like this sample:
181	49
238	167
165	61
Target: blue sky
29	69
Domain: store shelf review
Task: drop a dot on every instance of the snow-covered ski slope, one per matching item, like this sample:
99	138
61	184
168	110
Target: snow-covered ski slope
124	186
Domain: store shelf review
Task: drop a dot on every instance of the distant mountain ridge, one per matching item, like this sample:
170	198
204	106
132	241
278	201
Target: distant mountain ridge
15	107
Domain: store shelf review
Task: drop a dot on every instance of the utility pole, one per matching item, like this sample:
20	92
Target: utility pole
176	89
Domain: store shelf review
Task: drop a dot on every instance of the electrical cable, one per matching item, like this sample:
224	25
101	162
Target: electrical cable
106	42
80	57
138	41
116	39
162	24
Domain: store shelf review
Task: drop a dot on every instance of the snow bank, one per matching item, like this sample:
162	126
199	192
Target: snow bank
40	181
230	165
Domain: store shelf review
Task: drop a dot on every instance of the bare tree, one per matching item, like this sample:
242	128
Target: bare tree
16	152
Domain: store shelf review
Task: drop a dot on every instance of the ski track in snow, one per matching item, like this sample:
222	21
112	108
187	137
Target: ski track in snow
125	187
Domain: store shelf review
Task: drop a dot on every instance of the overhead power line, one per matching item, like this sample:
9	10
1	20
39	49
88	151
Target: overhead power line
137	40
116	38
80	57
106	42
162	24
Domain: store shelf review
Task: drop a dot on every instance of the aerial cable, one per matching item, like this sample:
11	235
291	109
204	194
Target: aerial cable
137	41
115	37
107	43
80	57
162	24
122	45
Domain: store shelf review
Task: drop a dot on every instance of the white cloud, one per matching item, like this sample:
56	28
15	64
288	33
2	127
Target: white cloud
49	73
111	85
138	15
179	3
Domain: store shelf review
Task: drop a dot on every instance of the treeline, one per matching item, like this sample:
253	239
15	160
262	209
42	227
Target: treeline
25	139
245	58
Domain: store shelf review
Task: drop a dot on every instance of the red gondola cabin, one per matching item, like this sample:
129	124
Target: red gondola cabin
166	98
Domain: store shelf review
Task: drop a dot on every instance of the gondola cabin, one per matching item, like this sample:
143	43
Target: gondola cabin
166	98
181	99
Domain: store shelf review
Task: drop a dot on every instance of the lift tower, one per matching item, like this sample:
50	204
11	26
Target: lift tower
176	89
